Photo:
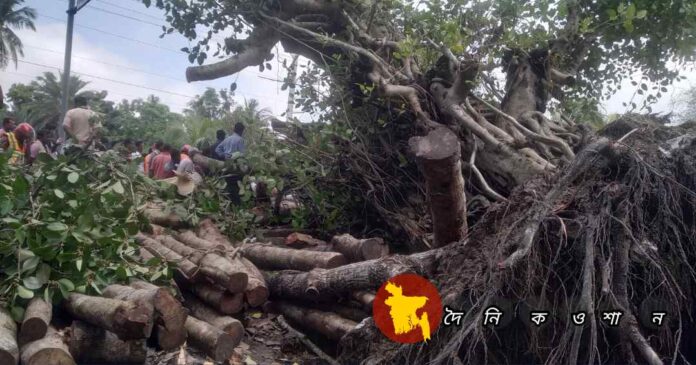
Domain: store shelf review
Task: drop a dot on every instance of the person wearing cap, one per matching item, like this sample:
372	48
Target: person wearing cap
18	141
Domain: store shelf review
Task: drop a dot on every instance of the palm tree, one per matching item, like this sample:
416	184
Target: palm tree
11	18
47	97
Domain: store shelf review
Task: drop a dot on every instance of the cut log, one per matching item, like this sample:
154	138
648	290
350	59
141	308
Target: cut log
365	298
209	231
282	231
128	320
278	258
170	315
328	324
214	296
207	314
213	341
256	292
359	249
171	287
9	351
94	345
37	318
49	350
213	265
439	159
301	240
185	266
327	285
159	217
345	311
232	266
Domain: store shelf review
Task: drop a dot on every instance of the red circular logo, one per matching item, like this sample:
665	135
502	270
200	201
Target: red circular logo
407	309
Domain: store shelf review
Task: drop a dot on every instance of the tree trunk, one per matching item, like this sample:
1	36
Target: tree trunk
94	345
277	258
49	350
159	217
184	265
215	296
359	249
345	311
257	291
366	299
128	320
37	318
233	266
170	315
207	314
439	159
208	163
326	285
207	230
301	240
328	324
213	265
216	343
9	351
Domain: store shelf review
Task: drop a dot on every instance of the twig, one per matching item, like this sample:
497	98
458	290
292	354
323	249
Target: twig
627	135
306	341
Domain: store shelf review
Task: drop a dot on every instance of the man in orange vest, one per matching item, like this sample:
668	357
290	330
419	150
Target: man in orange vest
18	141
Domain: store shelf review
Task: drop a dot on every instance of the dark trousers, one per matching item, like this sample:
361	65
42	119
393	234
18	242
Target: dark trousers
232	189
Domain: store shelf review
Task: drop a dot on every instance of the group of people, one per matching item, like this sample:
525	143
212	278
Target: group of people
161	162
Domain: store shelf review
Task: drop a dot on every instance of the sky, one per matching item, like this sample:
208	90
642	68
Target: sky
117	47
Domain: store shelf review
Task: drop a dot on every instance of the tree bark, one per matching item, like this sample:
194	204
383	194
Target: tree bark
208	163
439	159
170	315
94	345
325	285
49	350
213	265
216	343
128	320
232	266
159	217
257	291
328	324
184	265
277	258
207	314
302	240
366	299
37	318
215	296
207	230
359	249
9	351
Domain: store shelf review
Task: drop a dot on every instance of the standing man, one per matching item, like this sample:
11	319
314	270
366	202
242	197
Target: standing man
225	150
220	136
147	161
18	141
79	124
159	171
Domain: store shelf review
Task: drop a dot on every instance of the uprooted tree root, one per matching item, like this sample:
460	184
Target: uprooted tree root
615	229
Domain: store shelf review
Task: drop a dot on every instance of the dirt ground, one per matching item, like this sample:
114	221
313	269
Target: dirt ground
265	343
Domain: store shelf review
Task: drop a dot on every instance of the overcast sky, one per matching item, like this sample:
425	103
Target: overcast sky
127	58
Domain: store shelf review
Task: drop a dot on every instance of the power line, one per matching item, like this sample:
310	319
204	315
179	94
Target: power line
115	35
133	97
111	80
108	64
118	14
128	9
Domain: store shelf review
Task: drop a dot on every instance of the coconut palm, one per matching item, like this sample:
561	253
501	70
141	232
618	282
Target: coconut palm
47	96
13	17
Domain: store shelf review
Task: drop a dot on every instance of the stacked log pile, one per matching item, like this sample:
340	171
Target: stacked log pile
214	279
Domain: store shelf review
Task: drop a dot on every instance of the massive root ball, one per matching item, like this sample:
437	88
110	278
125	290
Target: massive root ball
613	230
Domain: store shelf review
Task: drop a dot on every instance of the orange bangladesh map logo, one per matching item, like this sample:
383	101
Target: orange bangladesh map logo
407	308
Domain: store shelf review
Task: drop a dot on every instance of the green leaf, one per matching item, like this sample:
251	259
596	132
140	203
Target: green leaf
17	313
66	285
43	273
631	11
57	227
59	193
30	264
24	292
73	177
118	188
641	14
32	283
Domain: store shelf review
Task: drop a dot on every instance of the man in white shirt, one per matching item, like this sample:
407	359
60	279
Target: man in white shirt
80	124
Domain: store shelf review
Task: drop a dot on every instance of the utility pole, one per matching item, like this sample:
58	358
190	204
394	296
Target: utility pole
292	75
73	7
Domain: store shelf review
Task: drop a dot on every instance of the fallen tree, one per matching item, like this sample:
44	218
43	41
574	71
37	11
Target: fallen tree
359	249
